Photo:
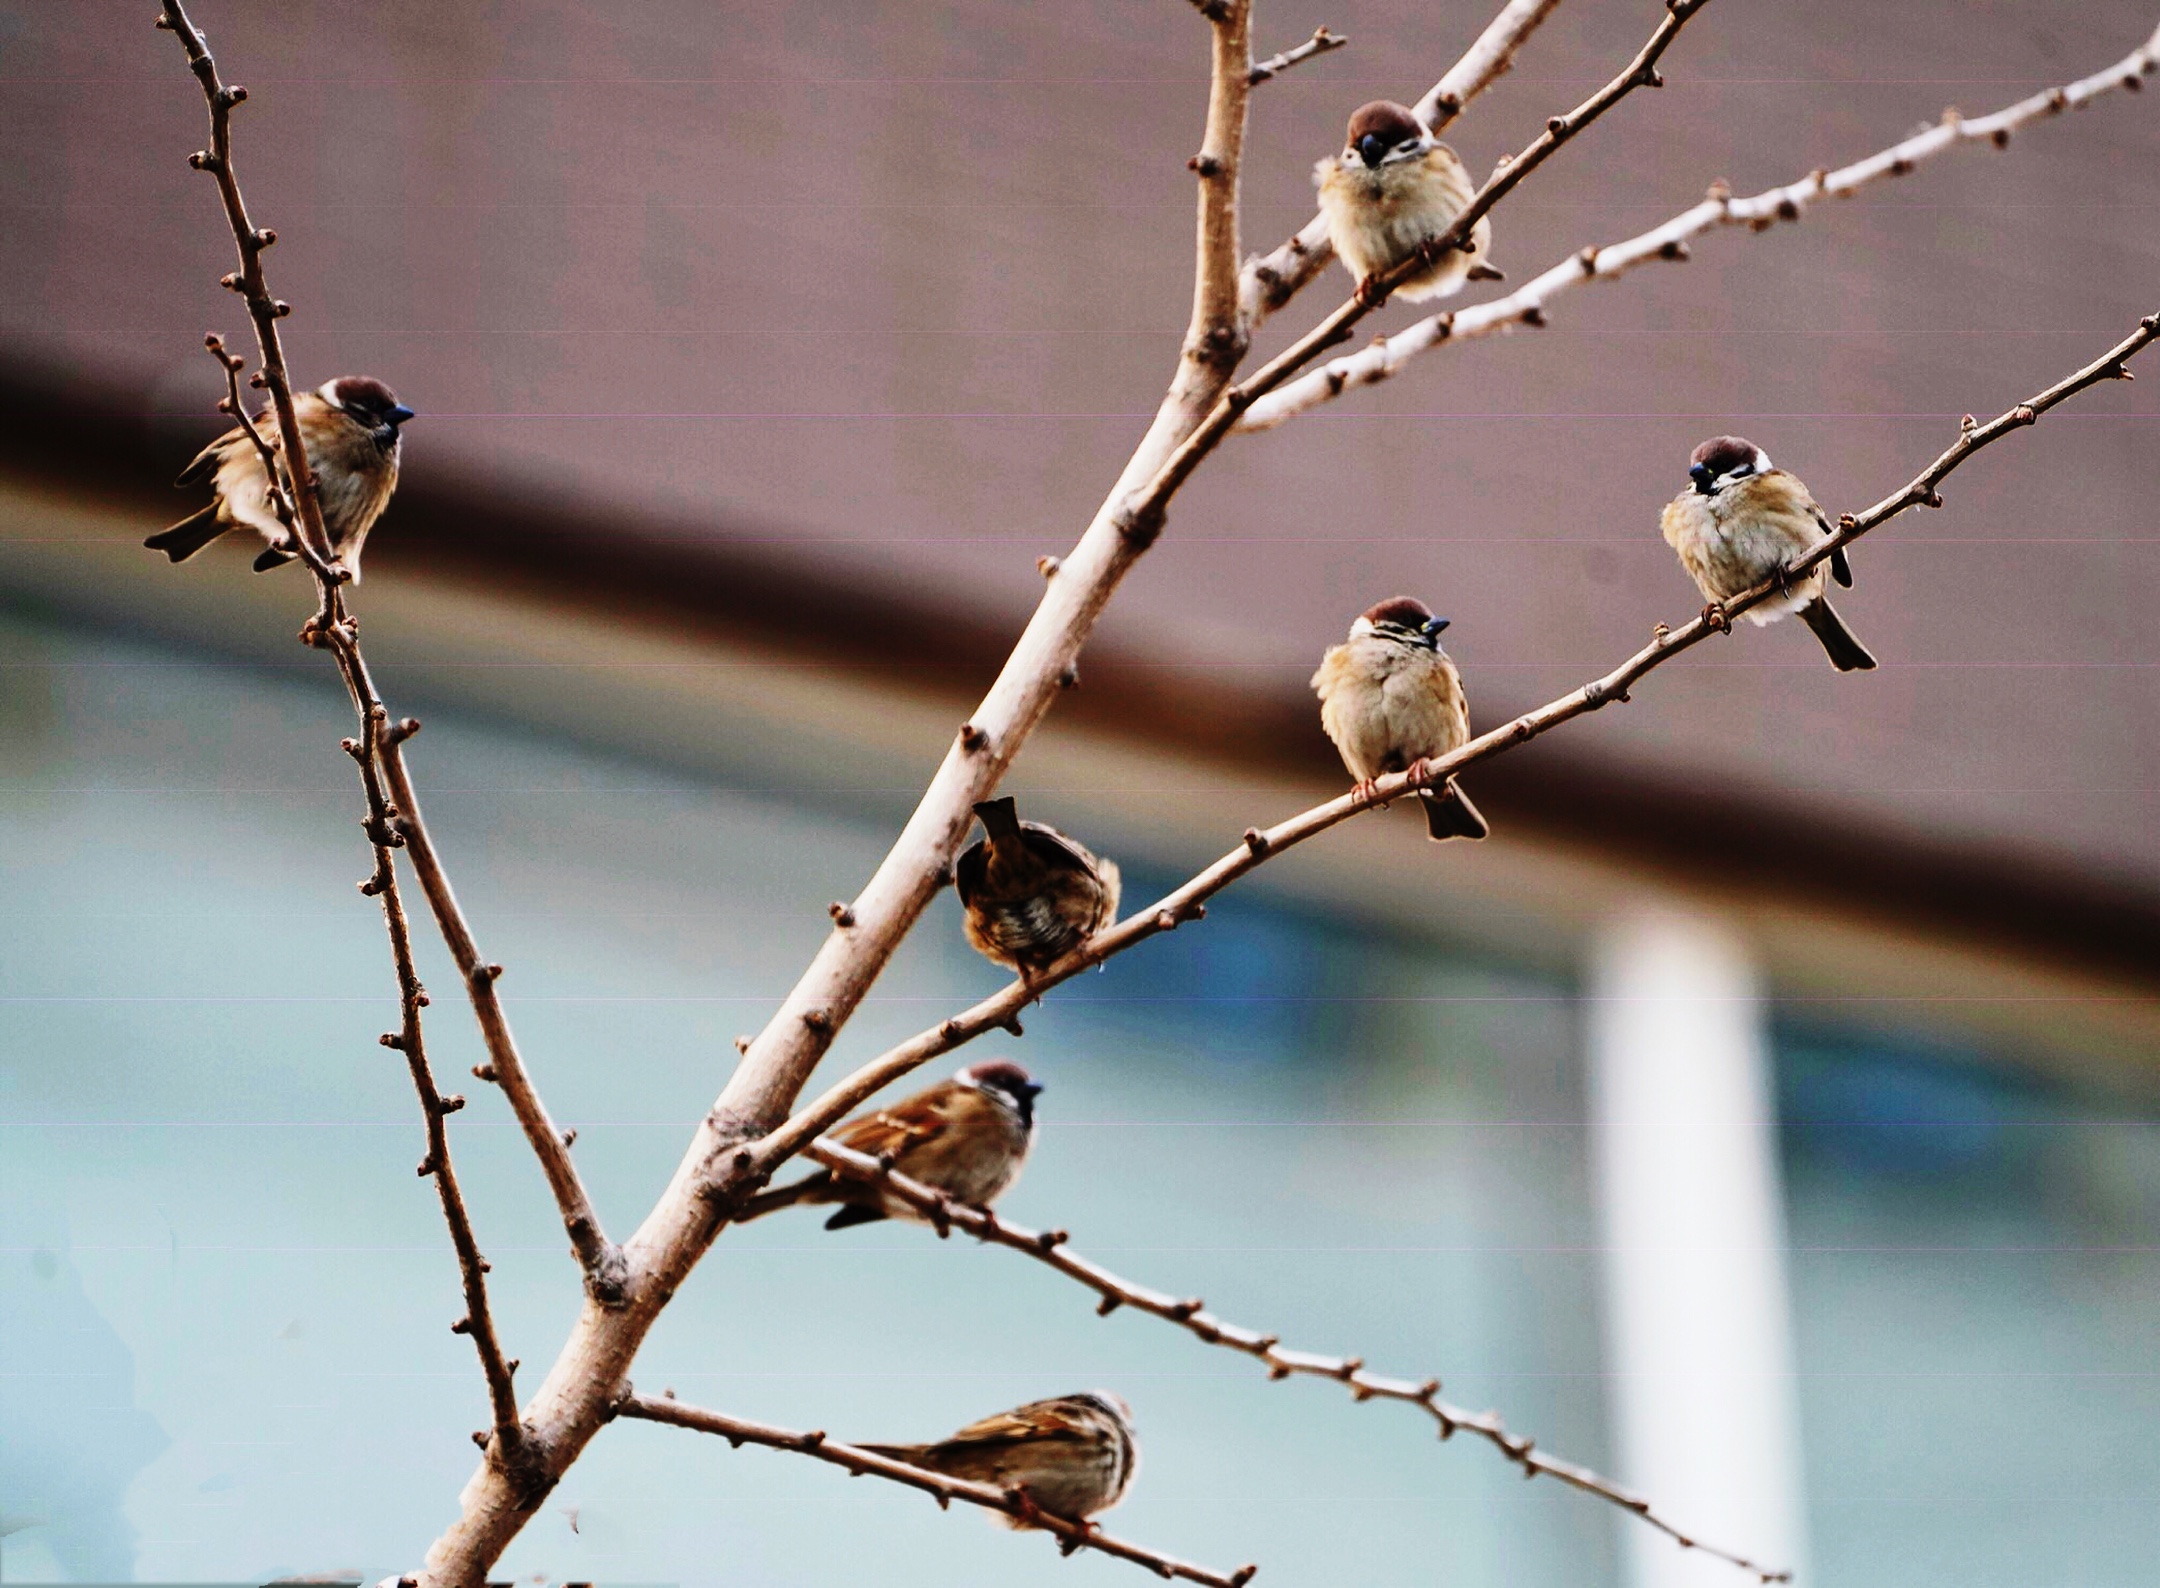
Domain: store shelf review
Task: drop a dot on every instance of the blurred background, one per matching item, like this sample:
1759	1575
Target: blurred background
1766	1115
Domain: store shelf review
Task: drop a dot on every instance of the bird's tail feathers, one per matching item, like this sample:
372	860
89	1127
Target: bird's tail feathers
272	558
913	1455
855	1213
189	536
1449	813
1000	819
807	1189
1846	652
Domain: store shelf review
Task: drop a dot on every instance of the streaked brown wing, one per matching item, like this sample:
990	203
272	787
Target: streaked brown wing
210	459
907	1124
1036	1422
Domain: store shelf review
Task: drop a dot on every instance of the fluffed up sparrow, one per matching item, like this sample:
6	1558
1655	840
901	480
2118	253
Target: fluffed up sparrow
1031	894
1393	190
350	426
1742	521
1389	697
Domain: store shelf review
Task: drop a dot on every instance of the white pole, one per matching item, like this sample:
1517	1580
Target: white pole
1699	1342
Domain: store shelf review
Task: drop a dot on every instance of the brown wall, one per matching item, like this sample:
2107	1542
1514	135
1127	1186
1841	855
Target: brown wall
879	297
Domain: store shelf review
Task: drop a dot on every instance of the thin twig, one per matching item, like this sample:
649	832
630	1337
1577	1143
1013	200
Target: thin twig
1189	1313
1216	337
1320	43
1071	1536
759	1161
1387	356
252	241
602	1261
334	630
435	1108
281	501
1269	281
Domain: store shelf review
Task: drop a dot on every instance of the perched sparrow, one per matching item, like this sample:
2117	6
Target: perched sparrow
351	428
1741	523
1390	697
966	1137
1394	189
1031	894
1073	1456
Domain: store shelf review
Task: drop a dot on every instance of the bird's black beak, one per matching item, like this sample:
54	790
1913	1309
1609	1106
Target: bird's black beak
1371	149
1705	481
1029	1090
1432	629
399	415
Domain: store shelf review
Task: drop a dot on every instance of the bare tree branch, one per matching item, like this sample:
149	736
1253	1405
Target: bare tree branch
435	1108
600	1258
1216	338
1488	60
1188	902
408	1039
332	629
1270	281
1386	356
1050	1247
1071	1536
254	291
1320	43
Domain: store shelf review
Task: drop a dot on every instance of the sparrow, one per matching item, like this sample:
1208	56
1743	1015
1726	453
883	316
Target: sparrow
1032	895
1742	522
1389	698
966	1137
1393	190
350	426
1071	1457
